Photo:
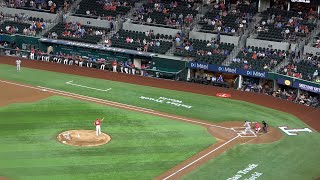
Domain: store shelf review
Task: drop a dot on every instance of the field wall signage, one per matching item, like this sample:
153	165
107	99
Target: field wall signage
306	87
301	1
169	101
228	70
293	132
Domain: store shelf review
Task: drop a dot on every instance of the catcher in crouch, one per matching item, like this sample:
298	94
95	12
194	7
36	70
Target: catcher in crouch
97	123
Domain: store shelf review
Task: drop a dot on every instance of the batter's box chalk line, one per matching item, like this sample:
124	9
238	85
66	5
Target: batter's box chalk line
240	132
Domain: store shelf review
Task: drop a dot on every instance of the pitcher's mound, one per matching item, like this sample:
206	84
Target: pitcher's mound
83	138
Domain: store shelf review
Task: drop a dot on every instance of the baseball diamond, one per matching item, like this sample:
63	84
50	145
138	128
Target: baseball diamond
226	134
160	89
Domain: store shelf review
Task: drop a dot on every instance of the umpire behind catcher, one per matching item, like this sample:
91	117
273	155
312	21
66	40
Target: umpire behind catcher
265	126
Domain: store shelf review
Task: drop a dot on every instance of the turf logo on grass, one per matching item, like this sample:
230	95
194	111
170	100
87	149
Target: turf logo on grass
245	171
164	100
293	132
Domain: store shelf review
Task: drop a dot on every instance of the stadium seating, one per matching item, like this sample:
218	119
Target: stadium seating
90	35
40	5
228	20
272	32
306	67
250	58
14	27
94	9
167	13
138	38
199	50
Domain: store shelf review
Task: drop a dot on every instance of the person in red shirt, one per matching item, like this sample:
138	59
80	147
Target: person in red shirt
133	68
257	127
97	123
114	66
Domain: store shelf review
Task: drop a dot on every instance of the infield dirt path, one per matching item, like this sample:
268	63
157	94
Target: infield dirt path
226	136
309	115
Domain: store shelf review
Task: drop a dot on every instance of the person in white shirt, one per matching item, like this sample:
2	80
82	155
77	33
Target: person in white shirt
50	3
18	63
213	79
248	127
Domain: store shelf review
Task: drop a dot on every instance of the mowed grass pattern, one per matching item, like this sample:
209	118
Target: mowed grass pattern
142	146
278	158
207	108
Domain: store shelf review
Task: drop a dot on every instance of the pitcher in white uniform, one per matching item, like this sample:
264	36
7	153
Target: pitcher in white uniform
18	63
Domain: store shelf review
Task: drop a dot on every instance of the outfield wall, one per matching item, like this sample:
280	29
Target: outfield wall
143	28
208	36
311	50
270	44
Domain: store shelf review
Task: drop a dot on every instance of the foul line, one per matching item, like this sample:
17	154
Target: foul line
200	158
92	99
70	83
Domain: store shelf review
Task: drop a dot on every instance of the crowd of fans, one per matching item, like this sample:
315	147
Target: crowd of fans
176	13
141	41
50	5
259	59
285	25
303	98
77	30
308	68
104	9
289	28
289	94
222	19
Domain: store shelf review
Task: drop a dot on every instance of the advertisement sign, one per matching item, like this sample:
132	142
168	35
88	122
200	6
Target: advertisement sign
301	1
306	87
229	70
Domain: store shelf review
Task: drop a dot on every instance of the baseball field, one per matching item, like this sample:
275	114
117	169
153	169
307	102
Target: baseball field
155	133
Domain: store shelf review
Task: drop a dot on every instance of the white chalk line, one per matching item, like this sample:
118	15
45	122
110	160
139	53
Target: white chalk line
88	87
201	157
87	98
256	137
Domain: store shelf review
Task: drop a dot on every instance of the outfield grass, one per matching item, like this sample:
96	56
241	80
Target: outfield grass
291	158
142	146
204	107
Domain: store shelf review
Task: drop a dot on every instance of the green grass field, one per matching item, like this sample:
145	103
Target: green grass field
290	158
142	146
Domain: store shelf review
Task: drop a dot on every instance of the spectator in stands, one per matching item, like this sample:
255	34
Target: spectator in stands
315	74
220	79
